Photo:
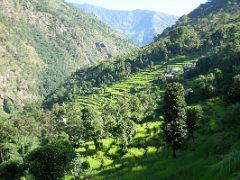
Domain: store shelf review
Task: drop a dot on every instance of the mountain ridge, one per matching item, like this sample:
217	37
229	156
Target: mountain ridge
169	110
43	42
139	25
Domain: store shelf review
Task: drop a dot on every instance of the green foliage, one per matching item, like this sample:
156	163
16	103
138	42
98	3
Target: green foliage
41	52
75	127
229	164
8	106
183	39
225	59
231	119
11	169
201	160
93	126
174	124
233	94
204	86
21	133
124	130
105	101
194	116
195	33
51	161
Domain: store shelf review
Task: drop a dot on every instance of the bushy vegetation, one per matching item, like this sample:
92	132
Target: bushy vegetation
43	42
51	161
121	116
191	35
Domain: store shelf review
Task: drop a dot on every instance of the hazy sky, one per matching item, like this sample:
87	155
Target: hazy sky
177	7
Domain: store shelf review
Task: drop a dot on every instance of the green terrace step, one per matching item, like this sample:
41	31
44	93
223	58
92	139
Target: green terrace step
141	81
89	102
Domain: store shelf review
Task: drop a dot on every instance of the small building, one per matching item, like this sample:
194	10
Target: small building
176	69
62	122
169	76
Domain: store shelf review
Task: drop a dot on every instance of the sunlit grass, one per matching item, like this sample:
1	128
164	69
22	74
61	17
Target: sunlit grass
148	157
140	81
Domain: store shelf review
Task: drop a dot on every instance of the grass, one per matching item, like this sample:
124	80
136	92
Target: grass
148	157
214	155
109	157
134	84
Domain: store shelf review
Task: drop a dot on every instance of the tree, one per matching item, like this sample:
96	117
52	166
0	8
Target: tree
125	130
75	126
118	123
51	161
174	124
204	86
194	115
230	121
11	169
233	94
93	126
7	134
183	39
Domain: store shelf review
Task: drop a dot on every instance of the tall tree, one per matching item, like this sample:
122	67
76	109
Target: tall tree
174	124
194	115
93	126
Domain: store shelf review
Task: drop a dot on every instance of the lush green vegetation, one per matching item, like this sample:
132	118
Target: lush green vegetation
149	158
43	42
122	119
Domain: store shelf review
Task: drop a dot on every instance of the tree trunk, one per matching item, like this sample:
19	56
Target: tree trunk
193	139
1	155
174	151
96	144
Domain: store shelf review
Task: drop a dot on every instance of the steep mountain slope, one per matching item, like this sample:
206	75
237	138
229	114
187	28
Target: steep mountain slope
191	35
201	51
140	25
42	42
112	113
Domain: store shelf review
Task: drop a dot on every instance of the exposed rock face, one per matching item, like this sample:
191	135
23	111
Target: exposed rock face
42	42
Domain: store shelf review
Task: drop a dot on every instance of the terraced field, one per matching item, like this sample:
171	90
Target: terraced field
149	158
145	143
134	84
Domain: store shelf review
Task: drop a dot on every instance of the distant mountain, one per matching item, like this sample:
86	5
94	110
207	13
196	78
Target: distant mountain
42	42
139	25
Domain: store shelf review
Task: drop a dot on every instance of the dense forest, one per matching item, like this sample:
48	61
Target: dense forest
169	110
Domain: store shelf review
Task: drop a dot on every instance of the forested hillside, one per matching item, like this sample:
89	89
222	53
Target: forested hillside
168	111
140	26
202	52
201	36
42	42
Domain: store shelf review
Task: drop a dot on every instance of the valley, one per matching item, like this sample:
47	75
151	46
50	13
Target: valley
42	43
81	101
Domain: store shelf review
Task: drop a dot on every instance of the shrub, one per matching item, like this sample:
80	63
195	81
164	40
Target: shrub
51	161
11	169
231	120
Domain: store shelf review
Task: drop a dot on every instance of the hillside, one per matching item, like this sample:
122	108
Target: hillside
191	35
202	52
140	26
43	42
148	158
169	110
